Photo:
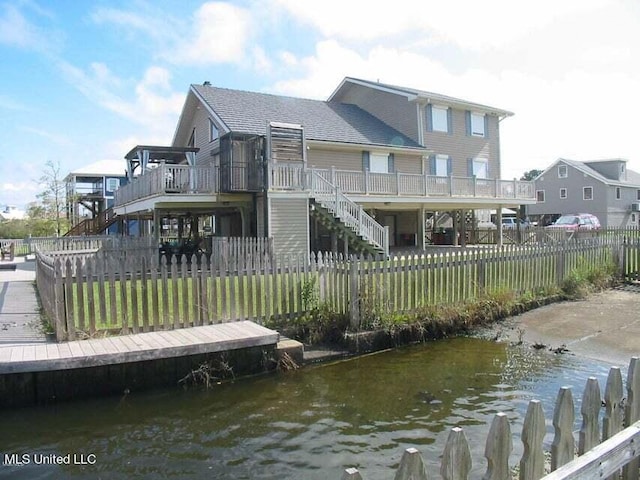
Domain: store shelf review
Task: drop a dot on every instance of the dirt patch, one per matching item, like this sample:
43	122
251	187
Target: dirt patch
605	326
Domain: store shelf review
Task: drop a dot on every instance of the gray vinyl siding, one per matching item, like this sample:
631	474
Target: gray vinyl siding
352	160
461	147
200	120
574	203
342	160
394	110
408	163
289	225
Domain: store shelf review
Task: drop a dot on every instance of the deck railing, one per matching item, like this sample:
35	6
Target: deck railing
169	179
184	179
293	176
350	213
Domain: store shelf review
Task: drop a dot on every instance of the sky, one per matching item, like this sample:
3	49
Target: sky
85	81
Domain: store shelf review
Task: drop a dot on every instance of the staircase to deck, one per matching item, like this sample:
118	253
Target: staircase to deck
349	215
95	225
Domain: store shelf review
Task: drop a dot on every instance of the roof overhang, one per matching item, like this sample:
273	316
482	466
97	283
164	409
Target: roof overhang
368	146
158	153
419	96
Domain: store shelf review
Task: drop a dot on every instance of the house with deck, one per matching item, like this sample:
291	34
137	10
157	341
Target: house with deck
89	194
604	188
373	168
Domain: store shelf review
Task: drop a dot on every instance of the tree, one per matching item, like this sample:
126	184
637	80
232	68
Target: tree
530	175
52	201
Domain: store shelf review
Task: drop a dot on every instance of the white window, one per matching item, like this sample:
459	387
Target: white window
637	194
618	193
540	196
587	193
439	118
622	168
480	168
442	165
563	193
378	163
633	218
112	184
477	125
213	131
563	171
192	139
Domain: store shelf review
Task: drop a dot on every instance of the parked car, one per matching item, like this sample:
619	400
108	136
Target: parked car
578	221
510	222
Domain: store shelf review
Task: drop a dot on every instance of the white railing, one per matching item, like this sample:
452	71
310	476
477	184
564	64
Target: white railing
352	182
169	179
350	213
287	176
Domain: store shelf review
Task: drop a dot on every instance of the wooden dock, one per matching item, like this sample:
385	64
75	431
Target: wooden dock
135	348
46	373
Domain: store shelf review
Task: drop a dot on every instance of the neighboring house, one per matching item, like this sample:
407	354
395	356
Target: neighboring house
90	192
11	212
604	188
372	165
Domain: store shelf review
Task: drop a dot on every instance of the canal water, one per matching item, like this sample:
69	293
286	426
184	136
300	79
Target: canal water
306	424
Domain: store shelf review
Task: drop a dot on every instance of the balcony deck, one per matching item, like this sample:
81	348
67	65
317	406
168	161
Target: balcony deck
285	177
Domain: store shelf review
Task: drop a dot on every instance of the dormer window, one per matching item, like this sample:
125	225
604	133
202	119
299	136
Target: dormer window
563	172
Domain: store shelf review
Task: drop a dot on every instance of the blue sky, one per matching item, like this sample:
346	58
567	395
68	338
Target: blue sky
84	81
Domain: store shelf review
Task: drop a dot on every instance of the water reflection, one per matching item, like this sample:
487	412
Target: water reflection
305	424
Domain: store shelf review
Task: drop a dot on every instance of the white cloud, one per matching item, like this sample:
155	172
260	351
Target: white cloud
467	23
218	34
58	139
9	103
156	105
17	31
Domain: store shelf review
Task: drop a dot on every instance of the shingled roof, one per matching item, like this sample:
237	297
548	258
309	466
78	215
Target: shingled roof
249	112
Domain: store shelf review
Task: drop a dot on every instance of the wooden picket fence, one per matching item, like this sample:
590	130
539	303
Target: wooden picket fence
618	451
84	294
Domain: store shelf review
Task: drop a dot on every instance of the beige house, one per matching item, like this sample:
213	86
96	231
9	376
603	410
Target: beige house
373	168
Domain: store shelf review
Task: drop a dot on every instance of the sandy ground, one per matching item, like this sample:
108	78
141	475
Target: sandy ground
605	326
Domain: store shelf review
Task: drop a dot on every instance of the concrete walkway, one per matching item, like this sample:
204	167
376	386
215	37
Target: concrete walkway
19	317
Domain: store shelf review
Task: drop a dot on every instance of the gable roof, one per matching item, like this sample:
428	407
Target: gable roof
109	168
415	94
633	178
250	112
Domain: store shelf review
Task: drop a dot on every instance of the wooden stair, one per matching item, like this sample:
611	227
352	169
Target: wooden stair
95	225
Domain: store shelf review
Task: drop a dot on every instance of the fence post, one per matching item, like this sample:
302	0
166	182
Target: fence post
632	412
354	290
498	448
59	308
411	466
560	266
533	430
456	459
589	435
562	448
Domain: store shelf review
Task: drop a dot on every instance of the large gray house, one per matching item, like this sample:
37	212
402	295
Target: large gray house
604	188
373	166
